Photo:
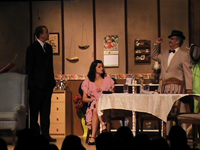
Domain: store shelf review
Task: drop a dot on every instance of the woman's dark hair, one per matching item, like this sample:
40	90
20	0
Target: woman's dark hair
92	72
39	30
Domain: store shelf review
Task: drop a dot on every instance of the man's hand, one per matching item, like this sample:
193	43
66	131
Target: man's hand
159	40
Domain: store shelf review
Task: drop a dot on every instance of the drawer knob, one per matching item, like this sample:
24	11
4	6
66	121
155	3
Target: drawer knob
57	98
57	119
57	130
57	108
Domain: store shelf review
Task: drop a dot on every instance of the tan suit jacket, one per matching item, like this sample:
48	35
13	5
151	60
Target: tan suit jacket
179	67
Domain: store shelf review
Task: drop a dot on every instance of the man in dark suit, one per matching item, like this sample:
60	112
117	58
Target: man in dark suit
39	68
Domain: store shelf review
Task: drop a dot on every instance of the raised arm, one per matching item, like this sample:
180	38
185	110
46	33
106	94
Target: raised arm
155	49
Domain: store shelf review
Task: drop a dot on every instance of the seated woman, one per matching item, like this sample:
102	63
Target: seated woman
92	87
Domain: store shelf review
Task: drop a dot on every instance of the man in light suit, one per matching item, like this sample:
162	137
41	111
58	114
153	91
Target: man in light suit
39	68
175	62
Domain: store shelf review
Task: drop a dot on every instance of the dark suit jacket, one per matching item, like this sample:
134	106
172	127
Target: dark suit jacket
39	67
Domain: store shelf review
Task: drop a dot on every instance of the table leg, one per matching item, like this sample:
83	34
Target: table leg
134	127
107	118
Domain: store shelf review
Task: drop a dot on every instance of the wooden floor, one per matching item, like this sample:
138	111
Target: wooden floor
58	143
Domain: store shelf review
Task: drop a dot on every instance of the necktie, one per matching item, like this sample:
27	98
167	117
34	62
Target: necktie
44	47
171	51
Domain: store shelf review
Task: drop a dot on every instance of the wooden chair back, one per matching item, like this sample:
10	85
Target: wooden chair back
172	86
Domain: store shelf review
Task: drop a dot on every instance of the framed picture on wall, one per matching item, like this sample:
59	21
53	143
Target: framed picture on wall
54	42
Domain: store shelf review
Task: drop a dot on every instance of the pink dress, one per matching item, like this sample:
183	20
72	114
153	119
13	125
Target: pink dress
94	92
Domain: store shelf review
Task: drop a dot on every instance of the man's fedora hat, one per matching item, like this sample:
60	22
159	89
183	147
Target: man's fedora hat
195	53
177	33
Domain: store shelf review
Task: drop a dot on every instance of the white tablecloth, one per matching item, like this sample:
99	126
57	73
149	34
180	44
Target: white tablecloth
158	105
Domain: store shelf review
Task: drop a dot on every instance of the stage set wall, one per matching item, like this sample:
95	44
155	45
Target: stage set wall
129	19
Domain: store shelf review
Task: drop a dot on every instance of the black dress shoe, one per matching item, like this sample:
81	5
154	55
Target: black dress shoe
50	139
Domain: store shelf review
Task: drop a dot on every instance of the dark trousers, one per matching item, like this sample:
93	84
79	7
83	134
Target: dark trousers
40	104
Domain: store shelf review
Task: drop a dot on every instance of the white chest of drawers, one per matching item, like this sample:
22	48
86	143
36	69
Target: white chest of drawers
58	114
61	114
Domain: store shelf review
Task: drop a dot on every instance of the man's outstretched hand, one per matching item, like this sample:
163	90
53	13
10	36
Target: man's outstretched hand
159	40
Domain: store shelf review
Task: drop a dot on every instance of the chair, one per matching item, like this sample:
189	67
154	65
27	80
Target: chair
172	86
89	132
116	114
168	86
141	117
194	119
13	100
109	116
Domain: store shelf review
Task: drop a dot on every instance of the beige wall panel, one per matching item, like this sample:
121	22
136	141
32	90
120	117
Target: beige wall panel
195	21
14	33
48	13
142	24
174	16
110	21
74	14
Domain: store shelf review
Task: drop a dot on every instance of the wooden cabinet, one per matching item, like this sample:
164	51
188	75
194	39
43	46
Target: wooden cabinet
59	126
142	51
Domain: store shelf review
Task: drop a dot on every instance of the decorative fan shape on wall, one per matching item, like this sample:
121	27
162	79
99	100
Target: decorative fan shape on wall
83	47
75	58
84	37
72	57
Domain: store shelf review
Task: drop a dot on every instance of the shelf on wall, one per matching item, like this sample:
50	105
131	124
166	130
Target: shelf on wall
142	51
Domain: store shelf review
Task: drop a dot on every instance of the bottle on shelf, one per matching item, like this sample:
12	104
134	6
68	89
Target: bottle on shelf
141	87
141	81
133	78
133	81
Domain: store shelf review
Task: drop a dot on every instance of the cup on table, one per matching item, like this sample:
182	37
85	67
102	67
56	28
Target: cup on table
146	87
125	88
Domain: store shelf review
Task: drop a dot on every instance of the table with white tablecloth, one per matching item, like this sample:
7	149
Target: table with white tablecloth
158	105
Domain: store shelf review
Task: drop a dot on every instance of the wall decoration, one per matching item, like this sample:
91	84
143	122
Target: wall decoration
54	42
72	51
84	38
68	77
111	52
142	51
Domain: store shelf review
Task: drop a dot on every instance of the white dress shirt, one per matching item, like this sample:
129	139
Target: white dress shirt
42	44
171	55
